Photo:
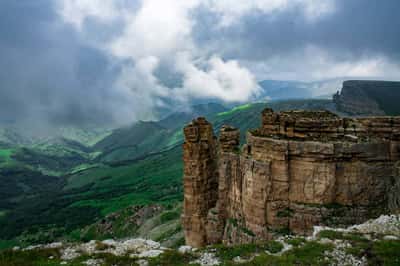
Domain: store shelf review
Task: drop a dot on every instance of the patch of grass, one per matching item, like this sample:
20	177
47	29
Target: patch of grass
5	244
248	231
283	231
171	258
112	260
352	237
287	212
167	234
235	109
331	234
176	138
311	253
386	252
83	167
114	204
296	241
180	242
359	249
51	257
169	216
6	153
232	221
273	246
30	258
227	253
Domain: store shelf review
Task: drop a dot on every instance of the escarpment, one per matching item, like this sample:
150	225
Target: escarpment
368	97
299	169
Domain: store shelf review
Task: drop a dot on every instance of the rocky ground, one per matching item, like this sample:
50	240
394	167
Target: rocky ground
375	242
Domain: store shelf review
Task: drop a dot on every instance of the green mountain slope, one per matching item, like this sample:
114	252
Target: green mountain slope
148	172
143	138
176	120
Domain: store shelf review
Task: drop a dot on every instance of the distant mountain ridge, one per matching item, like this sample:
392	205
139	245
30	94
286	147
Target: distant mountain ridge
369	97
178	118
287	90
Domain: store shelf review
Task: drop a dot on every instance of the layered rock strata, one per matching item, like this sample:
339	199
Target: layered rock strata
200	179
298	170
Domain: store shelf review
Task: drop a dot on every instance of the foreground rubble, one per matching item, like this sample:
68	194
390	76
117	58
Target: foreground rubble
374	242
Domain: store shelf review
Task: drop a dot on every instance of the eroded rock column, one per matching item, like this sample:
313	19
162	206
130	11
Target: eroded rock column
228	169
200	180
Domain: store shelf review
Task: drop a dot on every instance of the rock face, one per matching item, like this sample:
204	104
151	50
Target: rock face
200	179
368	97
300	169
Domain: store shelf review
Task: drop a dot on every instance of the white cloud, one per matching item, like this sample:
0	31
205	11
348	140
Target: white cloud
157	29
77	11
315	63
225	80
160	32
231	11
321	65
316	9
141	88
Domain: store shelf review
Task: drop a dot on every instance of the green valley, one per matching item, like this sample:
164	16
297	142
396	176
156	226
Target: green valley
55	187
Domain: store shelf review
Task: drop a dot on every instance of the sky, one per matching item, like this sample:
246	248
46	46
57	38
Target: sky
112	62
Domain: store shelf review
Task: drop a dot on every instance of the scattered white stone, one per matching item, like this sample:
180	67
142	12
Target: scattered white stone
152	244
63	263
240	260
150	253
16	248
184	249
142	262
33	247
388	225
339	257
89	247
69	254
318	229
325	241
368	236
110	242
93	262
51	258
134	247
54	245
385	225
390	237
206	259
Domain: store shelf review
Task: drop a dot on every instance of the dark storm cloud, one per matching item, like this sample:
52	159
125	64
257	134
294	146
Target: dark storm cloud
46	75
357	28
51	73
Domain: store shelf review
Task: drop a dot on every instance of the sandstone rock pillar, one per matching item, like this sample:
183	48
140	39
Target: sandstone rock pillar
200	180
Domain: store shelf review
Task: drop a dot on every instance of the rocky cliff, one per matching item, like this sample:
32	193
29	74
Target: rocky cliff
298	170
368	97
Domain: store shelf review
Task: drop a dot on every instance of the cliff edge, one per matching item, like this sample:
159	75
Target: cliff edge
368	97
300	169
